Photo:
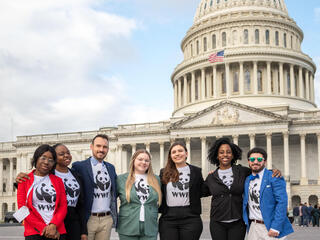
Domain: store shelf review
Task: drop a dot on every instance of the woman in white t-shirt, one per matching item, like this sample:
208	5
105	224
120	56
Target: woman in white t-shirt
140	196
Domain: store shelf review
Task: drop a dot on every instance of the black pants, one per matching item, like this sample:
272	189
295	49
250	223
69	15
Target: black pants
228	231
38	237
72	224
179	223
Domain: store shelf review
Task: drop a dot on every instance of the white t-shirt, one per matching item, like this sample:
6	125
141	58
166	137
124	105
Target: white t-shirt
44	197
71	186
178	192
254	198
102	190
226	176
142	190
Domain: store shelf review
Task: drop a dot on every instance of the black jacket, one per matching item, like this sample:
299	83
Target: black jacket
196	186
226	204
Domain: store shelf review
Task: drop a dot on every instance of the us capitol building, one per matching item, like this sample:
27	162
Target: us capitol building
261	95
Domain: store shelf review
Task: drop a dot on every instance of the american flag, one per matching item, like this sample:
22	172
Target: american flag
217	57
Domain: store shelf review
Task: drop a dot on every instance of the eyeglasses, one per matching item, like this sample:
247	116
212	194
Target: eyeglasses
252	159
43	158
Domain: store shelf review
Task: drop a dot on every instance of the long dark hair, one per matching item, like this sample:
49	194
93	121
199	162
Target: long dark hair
41	150
214	149
170	172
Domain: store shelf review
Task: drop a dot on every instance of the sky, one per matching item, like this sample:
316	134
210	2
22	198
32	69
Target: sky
78	65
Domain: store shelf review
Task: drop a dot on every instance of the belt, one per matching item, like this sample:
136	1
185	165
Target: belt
101	214
257	221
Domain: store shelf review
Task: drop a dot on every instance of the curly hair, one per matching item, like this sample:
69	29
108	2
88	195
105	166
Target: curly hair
214	149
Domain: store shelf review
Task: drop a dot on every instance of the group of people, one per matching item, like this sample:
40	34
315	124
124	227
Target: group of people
304	215
80	203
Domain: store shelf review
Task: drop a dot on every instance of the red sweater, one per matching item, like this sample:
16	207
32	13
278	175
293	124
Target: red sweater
34	223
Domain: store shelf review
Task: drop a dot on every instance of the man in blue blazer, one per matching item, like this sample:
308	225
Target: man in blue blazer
265	200
100	191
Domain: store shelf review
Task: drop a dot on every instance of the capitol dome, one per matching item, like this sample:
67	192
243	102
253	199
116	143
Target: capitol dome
263	63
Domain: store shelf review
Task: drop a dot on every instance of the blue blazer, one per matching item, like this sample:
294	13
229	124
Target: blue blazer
84	169
273	203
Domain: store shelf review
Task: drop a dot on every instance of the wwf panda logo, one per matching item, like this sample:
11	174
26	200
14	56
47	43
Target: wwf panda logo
46	193
226	181
142	189
102	180
255	196
72	187
183	183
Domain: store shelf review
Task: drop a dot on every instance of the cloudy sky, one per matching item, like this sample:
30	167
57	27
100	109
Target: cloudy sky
75	65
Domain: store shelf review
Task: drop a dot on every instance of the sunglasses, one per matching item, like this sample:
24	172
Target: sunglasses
252	159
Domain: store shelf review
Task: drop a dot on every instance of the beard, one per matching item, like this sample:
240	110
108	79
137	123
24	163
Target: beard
257	170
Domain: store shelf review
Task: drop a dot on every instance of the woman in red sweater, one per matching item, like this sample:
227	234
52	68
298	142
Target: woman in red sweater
44	196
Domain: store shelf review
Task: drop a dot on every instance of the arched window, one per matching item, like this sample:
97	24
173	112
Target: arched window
234	37
214	41
224	39
245	36
291	42
277	38
211	2
191	50
223	83
197	45
257	36
235	82
285	40
205	44
267	37
247	80
259	76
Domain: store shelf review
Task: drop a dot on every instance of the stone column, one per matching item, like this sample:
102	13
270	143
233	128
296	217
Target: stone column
148	147
179	93
203	156
161	154
124	160
281	78
286	155
119	160
10	175
235	139
175	86
208	85
311	87
193	86
303	180
215	81
307	85
301	87
134	148
1	175
269	90
203	84
228	82
188	142
292	82
252	140
269	149
241	79
185	90
318	138
255	77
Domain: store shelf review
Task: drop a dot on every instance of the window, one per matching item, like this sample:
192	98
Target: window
257	36
288	82
4	187
218	1
272	83
259	76
235	82
205	6
277	38
223	83
245	36
267	37
285	40
234	37
191	50
291	42
247	80
205	44
214	41
197	45
224	39
211	2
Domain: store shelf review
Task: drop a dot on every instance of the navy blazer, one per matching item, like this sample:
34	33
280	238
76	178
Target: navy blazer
273	203
84	169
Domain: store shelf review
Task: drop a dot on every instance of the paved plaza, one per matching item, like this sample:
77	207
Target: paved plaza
307	233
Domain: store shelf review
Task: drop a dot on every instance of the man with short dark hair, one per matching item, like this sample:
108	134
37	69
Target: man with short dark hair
265	200
99	183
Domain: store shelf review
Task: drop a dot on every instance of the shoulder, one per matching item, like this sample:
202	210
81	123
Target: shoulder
79	164
122	177
194	168
56	179
110	166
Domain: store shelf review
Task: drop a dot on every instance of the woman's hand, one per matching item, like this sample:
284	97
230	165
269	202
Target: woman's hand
276	173
84	237
22	177
50	231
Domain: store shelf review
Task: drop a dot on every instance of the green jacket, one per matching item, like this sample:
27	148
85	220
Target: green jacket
129	213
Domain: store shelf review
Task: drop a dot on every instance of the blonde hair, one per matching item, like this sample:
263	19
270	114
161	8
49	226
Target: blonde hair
152	180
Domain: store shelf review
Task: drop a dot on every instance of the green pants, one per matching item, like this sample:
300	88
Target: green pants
138	237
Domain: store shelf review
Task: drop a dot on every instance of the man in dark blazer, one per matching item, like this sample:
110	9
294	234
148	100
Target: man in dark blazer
265	200
99	187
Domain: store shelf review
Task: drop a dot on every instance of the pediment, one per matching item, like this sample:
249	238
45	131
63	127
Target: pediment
228	113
